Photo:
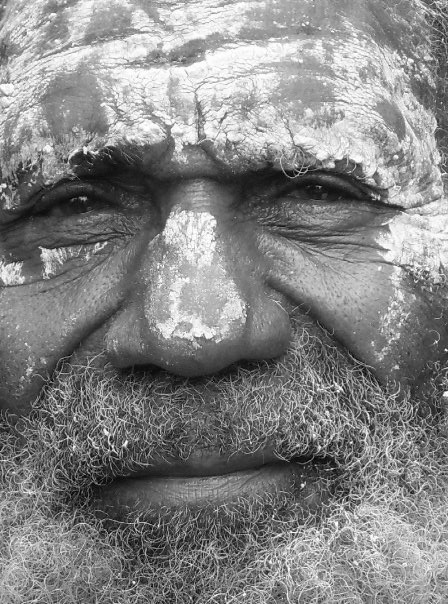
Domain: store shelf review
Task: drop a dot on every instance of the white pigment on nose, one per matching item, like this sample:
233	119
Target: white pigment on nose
194	233
190	238
181	324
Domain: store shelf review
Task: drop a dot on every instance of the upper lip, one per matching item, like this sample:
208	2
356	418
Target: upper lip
206	462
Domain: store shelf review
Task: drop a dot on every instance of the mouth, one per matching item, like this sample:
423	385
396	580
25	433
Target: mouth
212	479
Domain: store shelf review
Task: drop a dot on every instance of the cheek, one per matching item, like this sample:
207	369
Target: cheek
56	261
48	263
372	307
42	322
399	319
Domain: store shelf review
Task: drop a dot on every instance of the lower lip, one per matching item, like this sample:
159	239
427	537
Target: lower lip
308	483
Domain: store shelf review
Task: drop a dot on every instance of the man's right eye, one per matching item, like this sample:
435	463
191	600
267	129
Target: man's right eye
67	227
81	204
74	198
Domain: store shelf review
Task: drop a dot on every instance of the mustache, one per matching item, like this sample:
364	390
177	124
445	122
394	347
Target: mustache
92	423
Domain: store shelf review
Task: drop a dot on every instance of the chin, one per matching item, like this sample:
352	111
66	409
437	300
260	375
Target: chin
379	535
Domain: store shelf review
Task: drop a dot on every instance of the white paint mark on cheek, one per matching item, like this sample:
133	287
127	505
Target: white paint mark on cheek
391	242
53	259
11	273
30	368
95	250
395	319
416	243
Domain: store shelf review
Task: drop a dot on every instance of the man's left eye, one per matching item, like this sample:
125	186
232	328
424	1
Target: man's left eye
329	187
321	193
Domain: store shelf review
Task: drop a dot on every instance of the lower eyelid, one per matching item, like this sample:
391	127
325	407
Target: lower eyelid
54	259
50	263
11	273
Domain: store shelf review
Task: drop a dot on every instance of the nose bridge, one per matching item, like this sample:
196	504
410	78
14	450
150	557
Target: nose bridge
191	296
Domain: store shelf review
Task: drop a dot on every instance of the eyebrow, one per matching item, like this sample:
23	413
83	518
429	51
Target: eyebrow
103	161
84	161
81	163
113	158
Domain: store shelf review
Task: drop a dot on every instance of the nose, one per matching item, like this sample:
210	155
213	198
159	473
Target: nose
199	303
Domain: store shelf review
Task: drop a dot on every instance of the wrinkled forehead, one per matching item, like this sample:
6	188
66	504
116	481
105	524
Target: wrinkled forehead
393	22
330	80
176	33
49	26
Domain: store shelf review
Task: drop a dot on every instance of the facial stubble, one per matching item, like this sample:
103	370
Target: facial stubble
316	402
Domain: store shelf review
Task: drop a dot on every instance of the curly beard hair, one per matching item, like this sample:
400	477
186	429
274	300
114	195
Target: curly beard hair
382	536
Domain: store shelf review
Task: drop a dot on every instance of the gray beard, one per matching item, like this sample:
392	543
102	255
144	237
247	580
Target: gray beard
382	537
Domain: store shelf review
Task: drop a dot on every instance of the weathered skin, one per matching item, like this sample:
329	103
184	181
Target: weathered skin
201	247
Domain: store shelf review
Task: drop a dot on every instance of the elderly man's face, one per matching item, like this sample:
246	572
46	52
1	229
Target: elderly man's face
231	220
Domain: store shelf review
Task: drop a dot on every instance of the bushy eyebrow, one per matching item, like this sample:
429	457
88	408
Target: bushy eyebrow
86	162
115	158
82	162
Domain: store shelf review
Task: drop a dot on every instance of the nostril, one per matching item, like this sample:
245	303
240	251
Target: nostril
192	343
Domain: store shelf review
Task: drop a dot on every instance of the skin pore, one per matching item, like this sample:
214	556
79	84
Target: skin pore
230	221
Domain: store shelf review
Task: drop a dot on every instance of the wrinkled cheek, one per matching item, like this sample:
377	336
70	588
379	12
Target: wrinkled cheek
411	332
401	334
374	309
42	323
31	263
23	358
413	324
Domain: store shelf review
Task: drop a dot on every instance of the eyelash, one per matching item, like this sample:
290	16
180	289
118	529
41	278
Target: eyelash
88	196
75	206
75	198
321	193
322	185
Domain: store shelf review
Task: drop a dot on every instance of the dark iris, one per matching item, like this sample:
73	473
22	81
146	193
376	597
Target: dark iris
75	205
330	187
321	193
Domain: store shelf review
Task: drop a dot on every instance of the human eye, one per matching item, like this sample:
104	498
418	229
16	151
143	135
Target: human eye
75	198
318	204
67	229
330	188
